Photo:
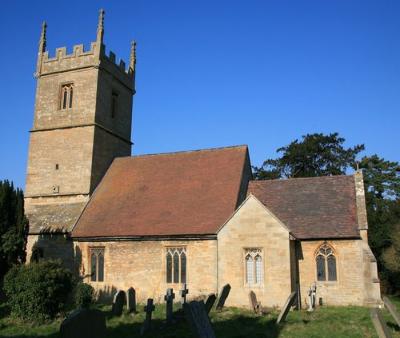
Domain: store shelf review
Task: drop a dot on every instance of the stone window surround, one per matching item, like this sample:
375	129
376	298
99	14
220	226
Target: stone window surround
90	250
61	95
326	282
257	251
164	262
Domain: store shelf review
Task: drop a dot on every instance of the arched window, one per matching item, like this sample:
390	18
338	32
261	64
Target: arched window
249	269
97	264
258	261
326	263
169	267
67	91
176	265
254	266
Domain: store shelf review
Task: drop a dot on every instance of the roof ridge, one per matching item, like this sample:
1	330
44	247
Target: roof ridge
186	151
300	178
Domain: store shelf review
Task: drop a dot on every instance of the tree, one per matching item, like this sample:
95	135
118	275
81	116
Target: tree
13	227
315	155
382	189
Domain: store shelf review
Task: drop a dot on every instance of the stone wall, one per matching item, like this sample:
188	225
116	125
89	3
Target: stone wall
253	226
72	150
48	113
53	246
355	280
142	265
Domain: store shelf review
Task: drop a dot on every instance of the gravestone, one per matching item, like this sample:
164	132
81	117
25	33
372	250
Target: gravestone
118	303
131	300
392	310
224	295
184	293
254	304
169	298
210	302
149	308
286	307
380	324
83	323
197	317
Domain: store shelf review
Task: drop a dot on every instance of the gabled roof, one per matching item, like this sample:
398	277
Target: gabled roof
312	208
184	193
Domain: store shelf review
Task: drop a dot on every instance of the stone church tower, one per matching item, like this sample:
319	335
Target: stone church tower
82	121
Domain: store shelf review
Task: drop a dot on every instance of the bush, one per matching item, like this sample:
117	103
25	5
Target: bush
83	295
38	291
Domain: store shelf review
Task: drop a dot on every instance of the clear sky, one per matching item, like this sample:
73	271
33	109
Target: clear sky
218	73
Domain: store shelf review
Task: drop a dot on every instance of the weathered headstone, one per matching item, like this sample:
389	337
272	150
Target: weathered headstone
83	323
392	310
210	302
131	300
184	293
224	295
286	307
149	308
254	304
196	315
169	298
118	303
380	324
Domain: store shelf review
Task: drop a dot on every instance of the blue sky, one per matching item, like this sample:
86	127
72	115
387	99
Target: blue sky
217	73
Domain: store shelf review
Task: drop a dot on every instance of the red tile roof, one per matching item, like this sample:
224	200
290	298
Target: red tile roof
317	207
184	193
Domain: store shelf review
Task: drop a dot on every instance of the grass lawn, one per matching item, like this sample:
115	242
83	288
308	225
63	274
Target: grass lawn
232	322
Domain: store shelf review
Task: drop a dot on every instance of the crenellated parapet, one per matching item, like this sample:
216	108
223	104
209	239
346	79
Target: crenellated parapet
79	58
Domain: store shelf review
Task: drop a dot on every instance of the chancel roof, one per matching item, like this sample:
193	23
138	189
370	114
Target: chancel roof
312	208
184	193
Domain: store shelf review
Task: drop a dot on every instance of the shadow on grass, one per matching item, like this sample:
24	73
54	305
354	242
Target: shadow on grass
237	327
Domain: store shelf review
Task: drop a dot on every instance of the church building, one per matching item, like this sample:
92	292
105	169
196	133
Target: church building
198	218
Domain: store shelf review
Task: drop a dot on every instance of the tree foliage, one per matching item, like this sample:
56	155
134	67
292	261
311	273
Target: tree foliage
38	291
13	227
314	155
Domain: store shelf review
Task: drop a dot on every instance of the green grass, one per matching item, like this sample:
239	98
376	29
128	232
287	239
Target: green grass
231	322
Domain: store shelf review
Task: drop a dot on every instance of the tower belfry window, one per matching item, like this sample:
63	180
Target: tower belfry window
67	92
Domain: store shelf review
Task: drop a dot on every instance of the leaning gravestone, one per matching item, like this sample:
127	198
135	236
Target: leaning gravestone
210	302
131	300
197	317
254	304
118	303
286	307
392	310
224	295
149	308
84	323
380	324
